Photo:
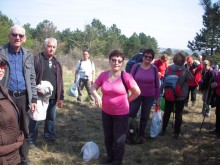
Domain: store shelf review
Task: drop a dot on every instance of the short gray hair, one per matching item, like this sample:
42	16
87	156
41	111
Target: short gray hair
17	27
54	40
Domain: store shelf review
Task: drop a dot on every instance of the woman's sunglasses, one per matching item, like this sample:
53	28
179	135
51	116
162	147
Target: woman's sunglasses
146	57
2	64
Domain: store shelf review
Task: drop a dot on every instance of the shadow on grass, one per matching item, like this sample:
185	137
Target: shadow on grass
77	125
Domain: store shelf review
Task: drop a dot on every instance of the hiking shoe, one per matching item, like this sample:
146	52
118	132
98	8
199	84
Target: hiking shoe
206	115
176	135
26	162
214	132
128	141
162	133
50	140
106	160
193	104
32	145
79	103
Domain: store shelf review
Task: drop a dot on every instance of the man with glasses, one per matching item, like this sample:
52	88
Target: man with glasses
85	71
22	84
47	68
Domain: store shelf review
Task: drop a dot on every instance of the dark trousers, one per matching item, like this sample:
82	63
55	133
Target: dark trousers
169	105
87	84
217	113
145	103
115	129
193	91
21	103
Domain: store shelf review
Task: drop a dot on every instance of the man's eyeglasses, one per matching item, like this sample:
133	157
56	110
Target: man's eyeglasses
119	61
17	35
2	65
146	57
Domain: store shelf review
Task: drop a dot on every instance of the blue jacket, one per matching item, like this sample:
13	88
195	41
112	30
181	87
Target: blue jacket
29	73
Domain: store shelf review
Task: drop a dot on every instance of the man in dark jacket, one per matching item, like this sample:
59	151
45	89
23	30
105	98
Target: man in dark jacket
22	84
47	68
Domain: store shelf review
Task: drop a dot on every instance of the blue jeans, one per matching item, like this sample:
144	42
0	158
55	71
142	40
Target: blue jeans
49	127
193	91
145	103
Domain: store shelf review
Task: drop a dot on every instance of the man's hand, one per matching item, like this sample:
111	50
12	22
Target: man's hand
33	107
60	104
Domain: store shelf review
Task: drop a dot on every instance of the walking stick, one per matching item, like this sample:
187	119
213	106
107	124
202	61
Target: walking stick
206	108
173	120
202	124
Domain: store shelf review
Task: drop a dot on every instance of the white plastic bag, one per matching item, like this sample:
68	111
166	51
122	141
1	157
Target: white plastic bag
45	88
41	111
73	90
156	124
90	151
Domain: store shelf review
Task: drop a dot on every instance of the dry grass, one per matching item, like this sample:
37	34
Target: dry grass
77	125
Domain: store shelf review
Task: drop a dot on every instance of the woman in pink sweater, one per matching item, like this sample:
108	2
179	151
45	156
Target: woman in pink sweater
146	76
115	105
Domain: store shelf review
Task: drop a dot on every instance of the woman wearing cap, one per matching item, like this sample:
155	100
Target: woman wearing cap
11	138
195	69
161	65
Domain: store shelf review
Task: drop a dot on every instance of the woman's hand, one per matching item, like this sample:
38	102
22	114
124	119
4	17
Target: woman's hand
214	85
158	103
135	92
98	101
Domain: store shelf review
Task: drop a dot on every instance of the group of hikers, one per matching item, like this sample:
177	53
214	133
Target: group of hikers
124	94
145	83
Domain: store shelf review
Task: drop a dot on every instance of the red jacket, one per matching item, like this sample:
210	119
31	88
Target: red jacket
197	76
161	66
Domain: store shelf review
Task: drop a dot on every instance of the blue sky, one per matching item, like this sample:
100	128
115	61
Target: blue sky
171	22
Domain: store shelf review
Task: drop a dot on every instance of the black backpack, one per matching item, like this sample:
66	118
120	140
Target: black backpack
136	59
133	128
132	136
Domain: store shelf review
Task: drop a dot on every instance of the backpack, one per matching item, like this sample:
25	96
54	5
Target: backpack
81	63
133	128
136	59
132	133
173	84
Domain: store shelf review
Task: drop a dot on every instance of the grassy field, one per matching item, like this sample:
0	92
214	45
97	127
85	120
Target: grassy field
77	125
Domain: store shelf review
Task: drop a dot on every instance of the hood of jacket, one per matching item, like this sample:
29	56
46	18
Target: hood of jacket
5	81
176	68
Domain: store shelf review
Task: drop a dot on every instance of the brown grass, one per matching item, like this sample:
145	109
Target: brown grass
77	125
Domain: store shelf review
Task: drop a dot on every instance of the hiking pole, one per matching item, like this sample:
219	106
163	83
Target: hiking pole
207	103
206	108
202	124
173	121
